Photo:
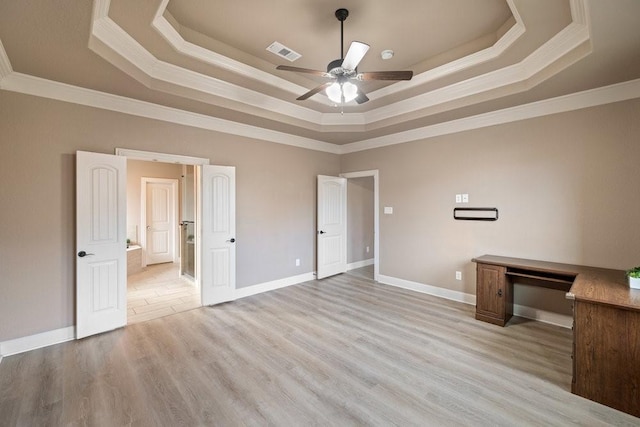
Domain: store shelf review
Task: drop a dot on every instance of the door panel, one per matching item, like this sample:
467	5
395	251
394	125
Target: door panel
161	220
101	266
332	226
218	234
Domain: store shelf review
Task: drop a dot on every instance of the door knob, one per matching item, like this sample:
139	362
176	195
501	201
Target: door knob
499	292
83	254
231	240
321	232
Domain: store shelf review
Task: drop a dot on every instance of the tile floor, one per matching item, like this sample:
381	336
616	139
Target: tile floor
158	291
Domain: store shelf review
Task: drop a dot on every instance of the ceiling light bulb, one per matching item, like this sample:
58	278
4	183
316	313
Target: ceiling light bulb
334	92
350	91
386	54
342	92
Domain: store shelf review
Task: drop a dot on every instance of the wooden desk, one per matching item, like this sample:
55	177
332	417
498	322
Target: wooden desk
606	319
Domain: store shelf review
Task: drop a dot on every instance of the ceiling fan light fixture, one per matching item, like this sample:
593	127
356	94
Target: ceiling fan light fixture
342	92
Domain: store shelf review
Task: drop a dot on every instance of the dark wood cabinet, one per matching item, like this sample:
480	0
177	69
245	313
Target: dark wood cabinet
606	358
494	299
606	321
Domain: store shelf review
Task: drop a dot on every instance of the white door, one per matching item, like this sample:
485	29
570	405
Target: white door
218	247
160	219
332	226
101	243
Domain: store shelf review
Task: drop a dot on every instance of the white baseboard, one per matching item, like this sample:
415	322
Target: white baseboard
32	342
359	264
543	316
428	289
273	285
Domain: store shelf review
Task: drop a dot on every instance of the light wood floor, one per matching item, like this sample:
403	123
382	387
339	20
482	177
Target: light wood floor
158	291
340	351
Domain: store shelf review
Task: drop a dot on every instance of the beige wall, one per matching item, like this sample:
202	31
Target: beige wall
566	187
276	193
136	170
359	219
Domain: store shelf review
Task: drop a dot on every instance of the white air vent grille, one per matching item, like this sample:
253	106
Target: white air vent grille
283	51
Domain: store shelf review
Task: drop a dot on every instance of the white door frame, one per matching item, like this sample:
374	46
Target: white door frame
376	214
172	158
143	215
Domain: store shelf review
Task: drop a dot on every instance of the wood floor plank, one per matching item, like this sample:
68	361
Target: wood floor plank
339	351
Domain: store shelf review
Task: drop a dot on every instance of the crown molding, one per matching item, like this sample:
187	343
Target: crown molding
580	100
477	58
36	86
111	42
5	64
169	33
114	44
567	41
175	40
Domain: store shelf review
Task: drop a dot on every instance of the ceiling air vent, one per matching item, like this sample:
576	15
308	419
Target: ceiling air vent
283	51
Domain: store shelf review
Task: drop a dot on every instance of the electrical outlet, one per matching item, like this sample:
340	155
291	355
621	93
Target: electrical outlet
458	275
297	262
458	198
367	249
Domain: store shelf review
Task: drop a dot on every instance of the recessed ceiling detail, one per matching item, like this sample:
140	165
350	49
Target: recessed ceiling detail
508	54
114	44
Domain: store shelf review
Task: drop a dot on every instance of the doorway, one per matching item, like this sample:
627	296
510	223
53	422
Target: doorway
156	204
363	255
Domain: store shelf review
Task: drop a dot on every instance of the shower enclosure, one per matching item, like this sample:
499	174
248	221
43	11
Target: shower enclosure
187	249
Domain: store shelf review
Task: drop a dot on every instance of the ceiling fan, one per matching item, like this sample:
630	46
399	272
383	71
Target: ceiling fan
341	71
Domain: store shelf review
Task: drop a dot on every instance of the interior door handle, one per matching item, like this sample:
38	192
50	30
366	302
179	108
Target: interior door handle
83	254
499	292
231	240
321	232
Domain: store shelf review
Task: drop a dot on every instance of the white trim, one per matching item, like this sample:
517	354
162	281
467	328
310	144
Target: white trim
36	86
150	156
5	64
375	173
485	55
590	98
428	289
166	30
115	45
273	285
542	316
360	264
173	37
32	342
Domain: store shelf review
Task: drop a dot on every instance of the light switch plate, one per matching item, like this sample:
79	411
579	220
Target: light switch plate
458	198
465	198
388	210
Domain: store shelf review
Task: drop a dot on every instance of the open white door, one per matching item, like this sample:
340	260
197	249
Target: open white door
218	253
101	243
332	226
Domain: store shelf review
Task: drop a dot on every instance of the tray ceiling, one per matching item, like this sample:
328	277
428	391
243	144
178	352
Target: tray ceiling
210	58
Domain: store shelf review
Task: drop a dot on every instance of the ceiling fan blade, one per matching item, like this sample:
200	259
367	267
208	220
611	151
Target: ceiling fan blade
314	91
303	70
354	55
386	75
361	98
